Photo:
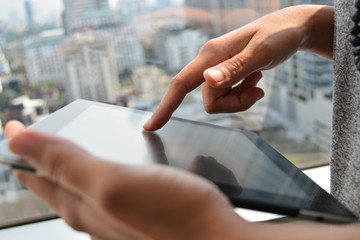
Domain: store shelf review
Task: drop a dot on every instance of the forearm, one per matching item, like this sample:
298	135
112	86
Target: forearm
319	30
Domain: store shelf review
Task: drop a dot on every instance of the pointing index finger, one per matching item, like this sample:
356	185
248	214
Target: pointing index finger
184	82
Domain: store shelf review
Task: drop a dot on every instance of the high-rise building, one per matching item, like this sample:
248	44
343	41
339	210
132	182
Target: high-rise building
132	9
43	60
129	51
182	47
94	16
80	15
29	10
90	68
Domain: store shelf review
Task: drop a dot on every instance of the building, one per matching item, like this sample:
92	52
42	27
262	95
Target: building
149	84
129	51
80	15
43	58
90	69
95	16
182	47
286	3
26	110
132	9
15	53
4	64
29	11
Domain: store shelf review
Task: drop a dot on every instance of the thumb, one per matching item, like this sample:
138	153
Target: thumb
13	128
231	71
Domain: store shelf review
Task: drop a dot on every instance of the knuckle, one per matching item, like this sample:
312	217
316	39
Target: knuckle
176	81
234	65
211	107
211	48
177	86
245	105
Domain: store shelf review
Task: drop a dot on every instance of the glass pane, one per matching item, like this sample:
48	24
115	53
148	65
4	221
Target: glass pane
125	52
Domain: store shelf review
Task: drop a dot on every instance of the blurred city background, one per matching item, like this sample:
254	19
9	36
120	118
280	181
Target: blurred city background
125	52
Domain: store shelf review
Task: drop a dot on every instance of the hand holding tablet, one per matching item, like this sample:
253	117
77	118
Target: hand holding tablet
113	200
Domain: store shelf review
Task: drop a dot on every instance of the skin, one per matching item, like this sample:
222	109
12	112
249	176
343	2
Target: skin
158	202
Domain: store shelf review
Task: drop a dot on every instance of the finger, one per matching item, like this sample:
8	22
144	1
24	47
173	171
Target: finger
239	98
78	212
212	53
236	103
250	81
13	128
183	83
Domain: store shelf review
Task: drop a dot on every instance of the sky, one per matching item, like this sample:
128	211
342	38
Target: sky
42	7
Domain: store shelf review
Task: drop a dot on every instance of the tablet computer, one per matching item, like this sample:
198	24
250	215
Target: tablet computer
249	171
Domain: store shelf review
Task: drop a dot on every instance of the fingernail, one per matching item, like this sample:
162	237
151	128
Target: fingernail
216	74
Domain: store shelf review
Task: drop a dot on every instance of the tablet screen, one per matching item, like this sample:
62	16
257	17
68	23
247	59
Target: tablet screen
117	135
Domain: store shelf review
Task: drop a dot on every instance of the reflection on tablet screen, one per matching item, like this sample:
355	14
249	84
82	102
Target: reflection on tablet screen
179	146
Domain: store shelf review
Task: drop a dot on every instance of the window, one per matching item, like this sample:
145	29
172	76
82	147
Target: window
125	52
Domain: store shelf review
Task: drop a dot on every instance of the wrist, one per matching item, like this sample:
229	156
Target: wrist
318	30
